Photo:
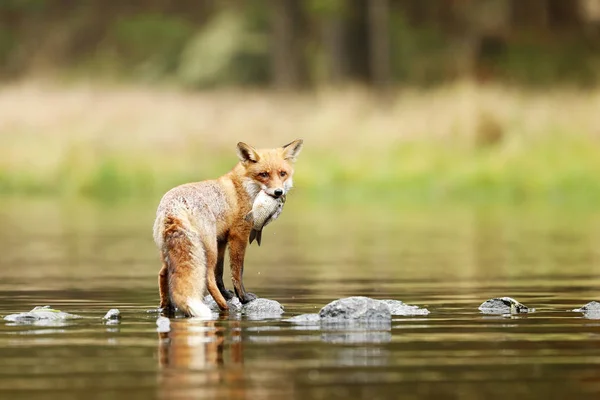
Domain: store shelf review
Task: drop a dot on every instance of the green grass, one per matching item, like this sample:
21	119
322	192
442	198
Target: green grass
460	144
558	170
554	170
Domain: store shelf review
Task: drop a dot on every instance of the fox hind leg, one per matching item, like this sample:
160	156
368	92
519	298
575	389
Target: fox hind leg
163	287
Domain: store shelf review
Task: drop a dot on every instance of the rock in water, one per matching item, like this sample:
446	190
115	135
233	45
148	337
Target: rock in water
356	308
256	309
40	313
233	303
113	315
590	310
399	308
262	309
503	305
305	319
592	306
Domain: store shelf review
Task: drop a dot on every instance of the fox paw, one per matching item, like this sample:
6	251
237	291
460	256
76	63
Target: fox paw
166	309
247	298
228	294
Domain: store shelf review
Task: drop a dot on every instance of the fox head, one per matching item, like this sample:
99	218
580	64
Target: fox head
270	170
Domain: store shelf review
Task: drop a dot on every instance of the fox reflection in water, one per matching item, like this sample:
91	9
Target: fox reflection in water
201	356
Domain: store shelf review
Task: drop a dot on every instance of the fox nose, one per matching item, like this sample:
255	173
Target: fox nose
278	192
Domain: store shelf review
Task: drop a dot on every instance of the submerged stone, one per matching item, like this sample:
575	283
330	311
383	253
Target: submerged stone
233	303
113	315
305	319
256	309
503	305
262	309
370	313
590	310
40	313
354	309
399	308
592	306
591	314
350	320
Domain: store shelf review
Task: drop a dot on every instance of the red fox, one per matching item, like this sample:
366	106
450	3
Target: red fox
195	223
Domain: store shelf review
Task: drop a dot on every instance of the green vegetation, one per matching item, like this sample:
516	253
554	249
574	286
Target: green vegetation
559	170
461	143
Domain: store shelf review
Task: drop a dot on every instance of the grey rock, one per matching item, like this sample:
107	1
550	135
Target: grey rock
39	314
256	309
592	306
233	303
399	308
356	308
590	310
591	315
369	312
262	309
305	319
356	320
113	315
503	305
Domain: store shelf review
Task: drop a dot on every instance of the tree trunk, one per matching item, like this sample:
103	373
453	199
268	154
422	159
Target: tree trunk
287	60
531	14
379	43
335	49
564	14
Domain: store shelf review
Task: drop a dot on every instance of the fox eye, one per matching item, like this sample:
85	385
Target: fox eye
264	174
282	173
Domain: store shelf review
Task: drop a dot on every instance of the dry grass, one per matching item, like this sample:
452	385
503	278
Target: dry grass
80	138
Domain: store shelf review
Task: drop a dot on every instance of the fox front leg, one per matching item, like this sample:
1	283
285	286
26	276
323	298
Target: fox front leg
228	294
237	251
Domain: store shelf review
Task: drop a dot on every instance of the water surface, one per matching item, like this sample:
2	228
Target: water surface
86	258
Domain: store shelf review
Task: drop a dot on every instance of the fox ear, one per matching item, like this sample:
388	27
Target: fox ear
291	150
247	153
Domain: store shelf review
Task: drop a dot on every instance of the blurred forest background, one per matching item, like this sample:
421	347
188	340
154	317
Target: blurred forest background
291	43
438	99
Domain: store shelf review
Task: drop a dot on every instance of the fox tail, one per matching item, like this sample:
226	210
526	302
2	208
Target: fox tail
186	263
